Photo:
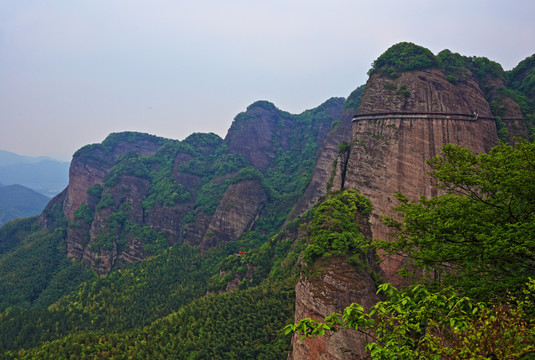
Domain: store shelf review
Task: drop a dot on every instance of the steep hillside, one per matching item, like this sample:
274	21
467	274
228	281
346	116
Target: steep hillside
522	83
182	208
134	195
407	114
413	103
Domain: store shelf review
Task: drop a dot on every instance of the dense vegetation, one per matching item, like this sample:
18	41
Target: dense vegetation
522	82
403	57
482	226
175	303
475	246
240	325
334	230
417	323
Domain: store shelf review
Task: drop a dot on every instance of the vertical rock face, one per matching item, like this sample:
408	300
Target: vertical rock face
253	139
328	286
324	171
128	191
425	91
237	212
516	127
396	131
338	286
258	133
402	122
89	167
82	175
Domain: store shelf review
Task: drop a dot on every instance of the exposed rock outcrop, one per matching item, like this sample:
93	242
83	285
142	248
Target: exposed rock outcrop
323	175
259	132
237	212
91	164
189	191
338	286
126	195
394	135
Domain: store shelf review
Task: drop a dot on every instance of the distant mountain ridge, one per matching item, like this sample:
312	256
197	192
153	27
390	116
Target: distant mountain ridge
17	201
11	158
42	173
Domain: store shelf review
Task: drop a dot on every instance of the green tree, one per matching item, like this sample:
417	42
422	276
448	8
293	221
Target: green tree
478	238
479	235
416	323
334	230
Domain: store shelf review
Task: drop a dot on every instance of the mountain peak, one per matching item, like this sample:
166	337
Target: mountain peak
262	104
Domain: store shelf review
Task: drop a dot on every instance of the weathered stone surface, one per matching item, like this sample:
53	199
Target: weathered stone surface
516	128
167	219
237	212
389	150
253	138
427	91
400	124
257	133
390	155
84	173
323	169
338	286
81	177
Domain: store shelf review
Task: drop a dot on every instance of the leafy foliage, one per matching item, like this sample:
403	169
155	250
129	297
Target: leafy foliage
453	65
13	233
522	81
334	230
35	271
100	153
402	57
239	325
420	324
478	236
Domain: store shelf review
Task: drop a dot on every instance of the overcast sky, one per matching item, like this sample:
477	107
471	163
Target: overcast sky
73	71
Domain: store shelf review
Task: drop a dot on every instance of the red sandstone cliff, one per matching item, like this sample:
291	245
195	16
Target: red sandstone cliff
110	229
330	285
324	173
401	123
338	286
394	135
91	164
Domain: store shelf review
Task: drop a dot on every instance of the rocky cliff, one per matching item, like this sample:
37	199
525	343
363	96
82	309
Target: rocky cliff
403	120
136	194
337	286
394	135
91	164
323	174
330	284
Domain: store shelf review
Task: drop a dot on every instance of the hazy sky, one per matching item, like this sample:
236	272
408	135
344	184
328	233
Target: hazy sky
73	71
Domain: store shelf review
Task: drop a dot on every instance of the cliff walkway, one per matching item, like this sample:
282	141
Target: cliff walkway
426	115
